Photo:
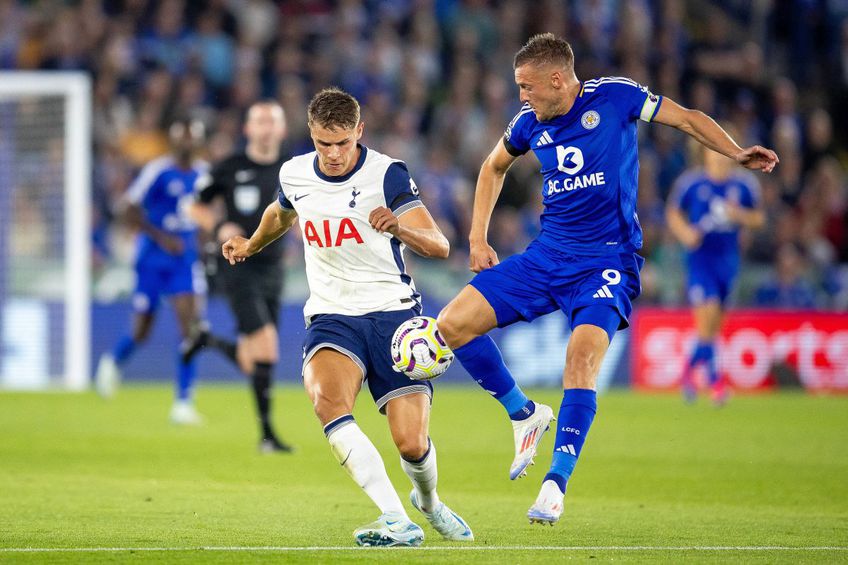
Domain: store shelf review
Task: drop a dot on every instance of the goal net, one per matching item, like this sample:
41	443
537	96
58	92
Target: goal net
45	201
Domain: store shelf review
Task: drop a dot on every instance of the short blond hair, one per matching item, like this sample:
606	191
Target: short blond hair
545	49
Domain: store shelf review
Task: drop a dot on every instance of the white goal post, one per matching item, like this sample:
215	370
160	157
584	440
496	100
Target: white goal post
45	220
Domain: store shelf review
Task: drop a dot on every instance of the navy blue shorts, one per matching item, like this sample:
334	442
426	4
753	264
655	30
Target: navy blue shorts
541	280
367	341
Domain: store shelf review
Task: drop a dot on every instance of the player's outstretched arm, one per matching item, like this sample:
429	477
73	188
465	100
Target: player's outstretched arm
276	221
704	129
489	184
416	228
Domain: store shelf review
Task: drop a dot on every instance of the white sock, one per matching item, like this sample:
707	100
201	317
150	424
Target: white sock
363	463
424	475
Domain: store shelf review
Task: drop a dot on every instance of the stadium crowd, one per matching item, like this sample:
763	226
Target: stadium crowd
435	79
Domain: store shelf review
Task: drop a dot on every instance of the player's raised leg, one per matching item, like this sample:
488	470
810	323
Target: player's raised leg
594	327
332	381
201	337
408	418
463	323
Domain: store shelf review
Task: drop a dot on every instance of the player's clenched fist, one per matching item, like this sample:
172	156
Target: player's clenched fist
482	256
236	249
383	220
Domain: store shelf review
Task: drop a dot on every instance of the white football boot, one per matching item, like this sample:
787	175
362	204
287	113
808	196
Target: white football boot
108	376
390	530
548	506
183	413
445	521
528	433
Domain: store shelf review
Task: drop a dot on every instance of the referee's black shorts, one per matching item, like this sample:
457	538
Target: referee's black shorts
253	291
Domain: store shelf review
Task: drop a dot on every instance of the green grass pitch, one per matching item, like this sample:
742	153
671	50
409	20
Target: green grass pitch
763	480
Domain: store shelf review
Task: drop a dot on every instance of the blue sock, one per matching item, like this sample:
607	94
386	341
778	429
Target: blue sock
482	359
699	354
123	349
186	372
575	418
710	361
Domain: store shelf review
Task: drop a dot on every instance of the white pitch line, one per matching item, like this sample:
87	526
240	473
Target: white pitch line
428	548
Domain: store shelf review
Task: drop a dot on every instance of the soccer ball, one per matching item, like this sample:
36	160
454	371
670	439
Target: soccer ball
418	351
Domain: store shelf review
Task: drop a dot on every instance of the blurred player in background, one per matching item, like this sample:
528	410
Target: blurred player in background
166	259
584	261
357	210
230	202
707	208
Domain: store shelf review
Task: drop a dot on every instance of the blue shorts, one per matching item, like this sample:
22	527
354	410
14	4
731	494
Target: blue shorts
367	341
541	280
156	277
709	282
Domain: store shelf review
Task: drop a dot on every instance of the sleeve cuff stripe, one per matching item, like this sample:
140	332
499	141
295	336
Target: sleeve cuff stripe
407	207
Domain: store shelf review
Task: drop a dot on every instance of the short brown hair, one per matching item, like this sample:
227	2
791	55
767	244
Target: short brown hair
545	49
333	108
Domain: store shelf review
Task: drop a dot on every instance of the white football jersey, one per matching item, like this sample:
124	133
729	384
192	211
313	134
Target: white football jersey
351	268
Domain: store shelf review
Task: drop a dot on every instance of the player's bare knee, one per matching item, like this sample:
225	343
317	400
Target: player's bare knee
412	446
325	406
449	327
326	409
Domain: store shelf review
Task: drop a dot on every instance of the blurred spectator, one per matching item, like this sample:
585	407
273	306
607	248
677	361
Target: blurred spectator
215	50
786	286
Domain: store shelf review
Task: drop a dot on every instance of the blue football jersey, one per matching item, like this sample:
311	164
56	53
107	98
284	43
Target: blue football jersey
163	191
590	166
703	202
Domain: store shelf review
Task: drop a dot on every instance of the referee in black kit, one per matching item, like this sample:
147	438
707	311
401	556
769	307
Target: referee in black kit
242	185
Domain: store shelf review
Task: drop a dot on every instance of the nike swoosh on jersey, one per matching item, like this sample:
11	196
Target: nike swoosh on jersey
297	197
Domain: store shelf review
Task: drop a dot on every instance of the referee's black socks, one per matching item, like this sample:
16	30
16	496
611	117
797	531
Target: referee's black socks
262	375
225	346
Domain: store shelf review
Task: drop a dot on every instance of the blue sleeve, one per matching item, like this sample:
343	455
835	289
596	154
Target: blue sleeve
517	135
635	101
749	195
399	189
281	197
145	182
284	202
679	195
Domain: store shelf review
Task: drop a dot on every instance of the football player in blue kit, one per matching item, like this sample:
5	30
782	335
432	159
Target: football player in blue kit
707	208
358	210
166	261
584	261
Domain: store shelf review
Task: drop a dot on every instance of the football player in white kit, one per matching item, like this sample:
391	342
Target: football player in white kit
357	210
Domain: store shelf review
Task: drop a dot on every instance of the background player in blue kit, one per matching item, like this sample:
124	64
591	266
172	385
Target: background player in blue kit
166	259
706	210
584	261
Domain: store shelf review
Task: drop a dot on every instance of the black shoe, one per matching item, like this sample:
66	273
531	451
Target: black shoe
193	343
273	445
